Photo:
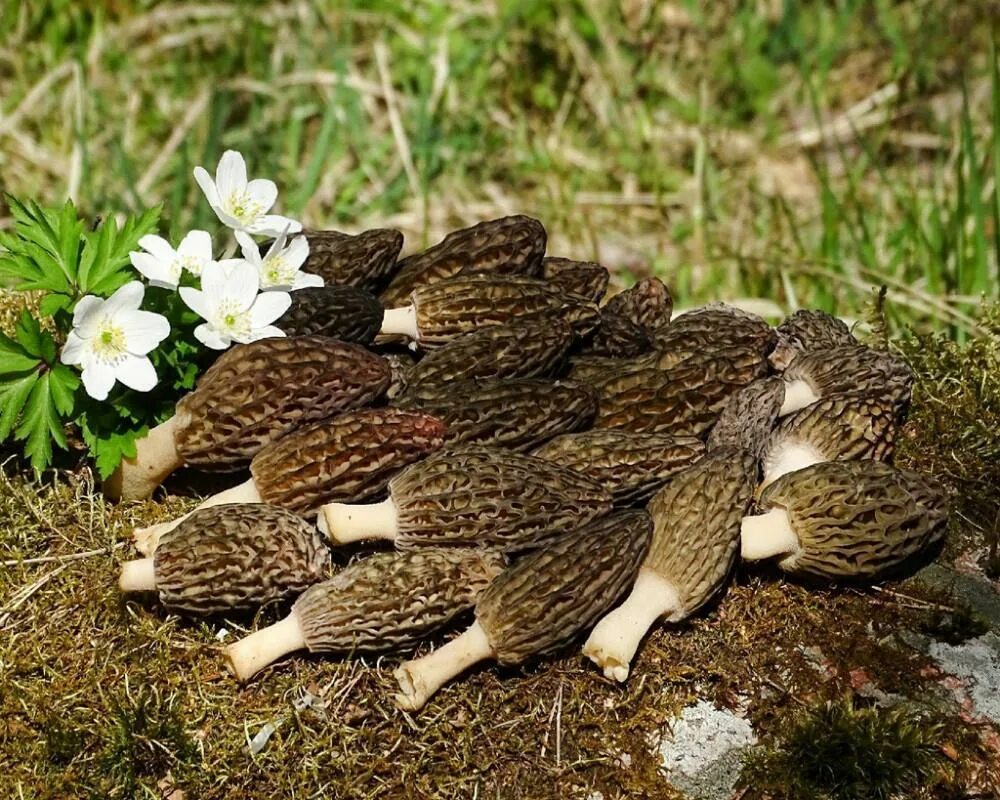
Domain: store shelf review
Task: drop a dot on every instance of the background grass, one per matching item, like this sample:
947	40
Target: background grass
797	152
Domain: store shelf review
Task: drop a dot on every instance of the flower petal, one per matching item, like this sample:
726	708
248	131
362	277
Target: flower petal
212	338
136	372
195	300
157	272
306	280
158	246
144	330
297	252
242	285
231	175
208	187
197	244
128	297
87	314
98	378
273	225
269	332
214	281
251	252
263	192
268	307
74	349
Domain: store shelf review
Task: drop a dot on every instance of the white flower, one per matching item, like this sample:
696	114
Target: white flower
280	267
231	307
163	266
242	205
110	339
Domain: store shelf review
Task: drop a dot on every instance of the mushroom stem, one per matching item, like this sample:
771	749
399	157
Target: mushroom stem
767	535
251	654
347	522
138	576
400	321
613	642
146	539
156	457
789	457
798	395
421	678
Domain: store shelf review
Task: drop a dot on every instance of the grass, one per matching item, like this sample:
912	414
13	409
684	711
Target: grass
798	153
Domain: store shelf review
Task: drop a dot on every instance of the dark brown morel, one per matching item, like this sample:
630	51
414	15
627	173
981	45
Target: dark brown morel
230	558
584	278
475	496
538	605
367	260
703	329
618	337
340	312
512	245
809	331
648	304
749	416
388	602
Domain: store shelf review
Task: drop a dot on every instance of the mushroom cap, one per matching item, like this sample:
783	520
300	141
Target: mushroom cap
346	459
346	313
854	368
527	347
233	557
255	393
696	525
518	414
585	278
684	400
648	304
842	427
546	598
808	330
491	497
619	337
366	260
710	326
512	245
453	306
857	519
391	601
632	466
748	417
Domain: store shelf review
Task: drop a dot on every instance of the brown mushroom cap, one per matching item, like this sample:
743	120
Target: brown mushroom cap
513	245
518	414
632	466
392	601
545	599
841	427
340	312
857	519
366	260
257	392
808	331
227	558
648	304
585	278
748	417
346	459
713	325
491	497
453	306
619	337
529	347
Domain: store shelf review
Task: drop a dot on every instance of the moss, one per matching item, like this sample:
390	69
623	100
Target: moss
954	626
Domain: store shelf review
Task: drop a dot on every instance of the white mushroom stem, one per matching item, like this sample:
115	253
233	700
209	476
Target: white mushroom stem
614	640
789	457
767	535
798	395
146	539
420	679
138	576
250	655
156	457
346	522
400	321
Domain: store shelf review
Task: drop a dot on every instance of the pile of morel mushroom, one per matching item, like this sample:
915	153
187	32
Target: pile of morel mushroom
550	465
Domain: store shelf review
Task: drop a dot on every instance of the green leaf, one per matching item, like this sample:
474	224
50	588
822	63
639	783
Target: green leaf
108	450
41	424
63	383
44	248
34	340
53	303
105	264
13	394
14	358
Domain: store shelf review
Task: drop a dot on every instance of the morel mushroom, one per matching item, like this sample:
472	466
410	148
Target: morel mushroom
648	304
632	466
748	417
518	414
340	312
230	558
538	605
349	458
846	520
809	331
479	496
385	603
584	278
443	310
529	347
619	337
512	245
846	369
842	427
366	260
710	326
696	536
250	396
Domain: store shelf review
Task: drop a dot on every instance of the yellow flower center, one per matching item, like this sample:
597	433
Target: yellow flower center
109	343
276	272
233	320
243	207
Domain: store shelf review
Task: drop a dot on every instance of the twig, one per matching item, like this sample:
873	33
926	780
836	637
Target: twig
395	122
15	562
911	599
24	594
